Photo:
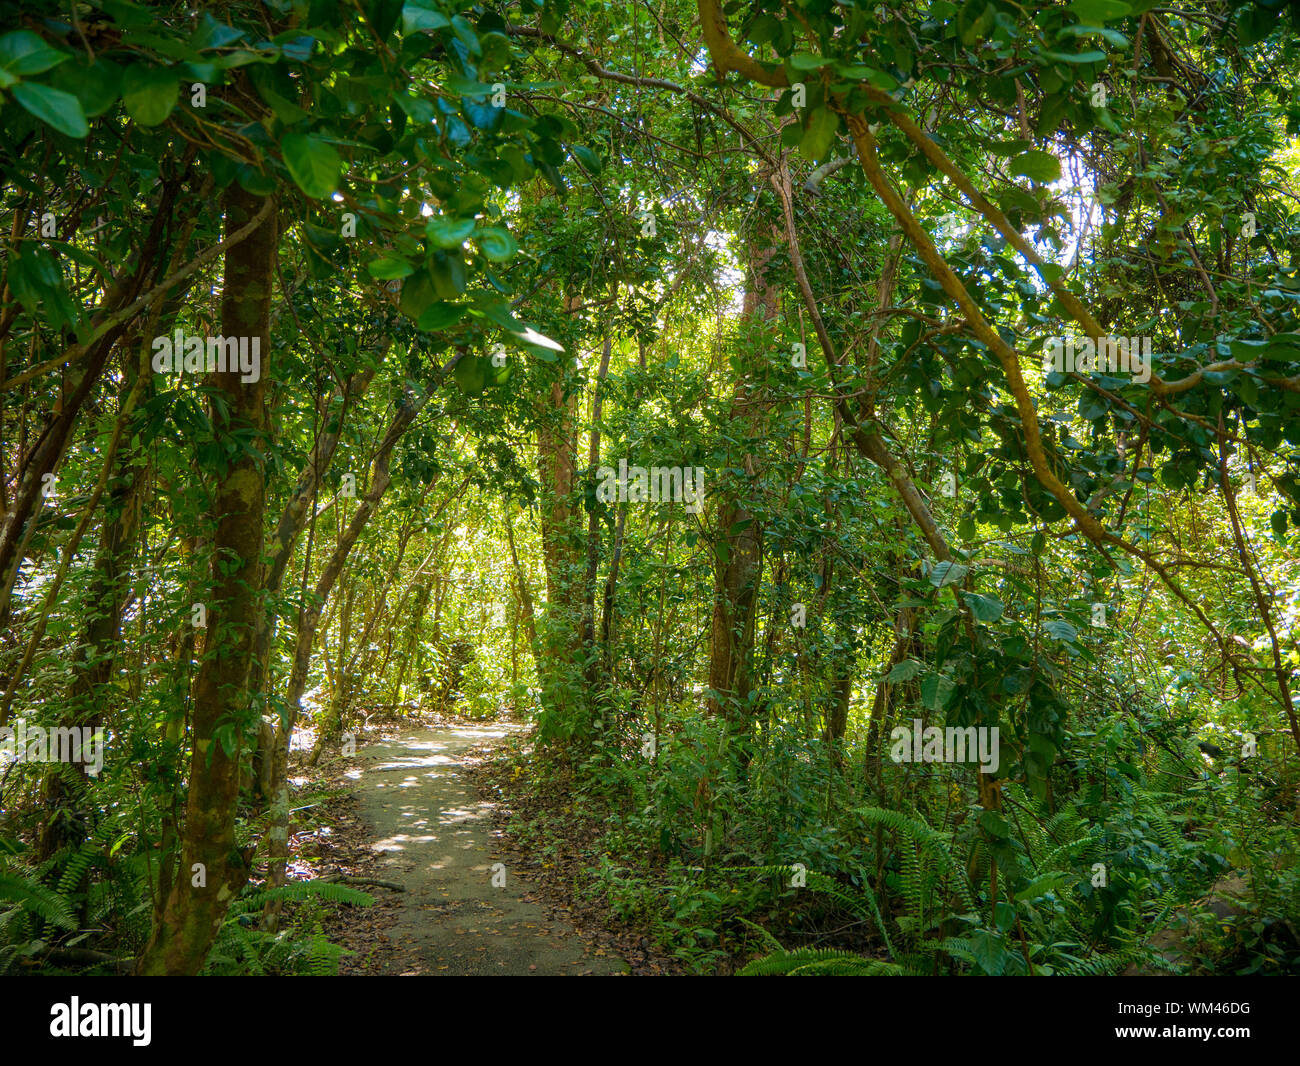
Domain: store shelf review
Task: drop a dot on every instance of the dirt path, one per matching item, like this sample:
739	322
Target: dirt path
433	834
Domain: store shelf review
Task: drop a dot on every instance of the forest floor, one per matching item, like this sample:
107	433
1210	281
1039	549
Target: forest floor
405	809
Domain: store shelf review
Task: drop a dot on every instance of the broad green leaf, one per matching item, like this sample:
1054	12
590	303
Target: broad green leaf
807	61
1042	167
447	272
447	233
995	825
254	180
439	315
1104	32
539	342
496	243
314	165
23	53
149	93
589	159
1097	12
1077	57
904	671
97	85
1061	630
213	34
1040	886
989	953
387	269
816	141
417	294
421	17
1255	22
471	374
947	573
936	691
984	608
54	107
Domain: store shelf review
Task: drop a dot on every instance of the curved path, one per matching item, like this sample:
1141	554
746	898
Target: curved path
434	834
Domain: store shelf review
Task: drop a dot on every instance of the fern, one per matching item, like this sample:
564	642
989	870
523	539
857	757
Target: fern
820	882
1107	962
323	956
241	948
36	899
927	838
300	891
820	962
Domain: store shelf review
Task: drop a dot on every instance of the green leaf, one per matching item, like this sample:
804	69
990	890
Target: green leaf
421	17
947	573
387	269
1077	57
448	233
984	608
496	244
1113	36
149	94
447	272
54	107
1040	887
439	315
904	671
417	294
822	127
1061	630
471	374
499	312
97	85
808	61
1042	167
973	29
589	159
484	116
1283	346
936	691
213	34
1097	12
23	53
254	181
1254	23
462	28
539	343
995	825
313	164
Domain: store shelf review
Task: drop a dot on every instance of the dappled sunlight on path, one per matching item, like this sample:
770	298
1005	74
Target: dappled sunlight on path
464	911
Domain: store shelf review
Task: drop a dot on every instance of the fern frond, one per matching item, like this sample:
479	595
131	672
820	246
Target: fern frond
299	891
820	962
35	898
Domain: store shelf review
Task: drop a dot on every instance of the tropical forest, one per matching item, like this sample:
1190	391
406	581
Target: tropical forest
649	488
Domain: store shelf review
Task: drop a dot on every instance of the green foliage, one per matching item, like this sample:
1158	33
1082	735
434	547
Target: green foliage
242	948
819	962
478	303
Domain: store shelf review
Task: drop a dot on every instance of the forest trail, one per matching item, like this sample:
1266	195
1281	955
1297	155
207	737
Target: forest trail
433	833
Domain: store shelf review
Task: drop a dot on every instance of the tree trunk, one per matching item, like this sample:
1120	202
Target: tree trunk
212	871
563	551
738	552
